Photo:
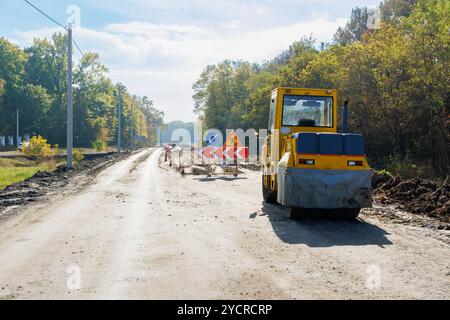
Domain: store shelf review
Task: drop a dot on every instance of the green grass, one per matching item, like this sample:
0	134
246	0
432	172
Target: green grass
12	175
16	170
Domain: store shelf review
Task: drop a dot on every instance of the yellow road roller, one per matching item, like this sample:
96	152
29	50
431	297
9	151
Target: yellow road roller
308	166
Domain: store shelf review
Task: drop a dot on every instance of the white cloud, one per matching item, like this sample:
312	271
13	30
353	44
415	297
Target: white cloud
163	60
233	25
151	29
261	10
26	38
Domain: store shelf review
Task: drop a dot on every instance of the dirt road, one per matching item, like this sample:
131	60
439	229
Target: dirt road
140	231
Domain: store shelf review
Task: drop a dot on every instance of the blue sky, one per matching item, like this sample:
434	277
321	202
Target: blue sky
158	48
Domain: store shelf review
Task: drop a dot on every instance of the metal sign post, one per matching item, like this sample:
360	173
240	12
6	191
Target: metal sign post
17	128
236	158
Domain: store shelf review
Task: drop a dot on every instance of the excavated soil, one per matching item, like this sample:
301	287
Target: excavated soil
43	183
418	196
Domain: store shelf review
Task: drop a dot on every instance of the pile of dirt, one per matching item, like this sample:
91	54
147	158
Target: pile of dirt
251	166
418	196
42	183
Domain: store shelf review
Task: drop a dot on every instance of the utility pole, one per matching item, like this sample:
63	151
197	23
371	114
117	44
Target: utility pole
69	99
119	131
132	126
17	127
257	146
159	134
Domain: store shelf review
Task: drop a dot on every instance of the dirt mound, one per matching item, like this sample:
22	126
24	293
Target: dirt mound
251	166
418	196
42	183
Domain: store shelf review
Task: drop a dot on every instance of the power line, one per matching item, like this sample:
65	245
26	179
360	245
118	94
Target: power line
76	45
55	21
46	15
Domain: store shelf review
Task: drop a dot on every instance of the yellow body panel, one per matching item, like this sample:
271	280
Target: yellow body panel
325	162
330	162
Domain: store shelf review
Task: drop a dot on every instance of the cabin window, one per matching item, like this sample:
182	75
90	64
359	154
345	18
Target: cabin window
307	111
272	113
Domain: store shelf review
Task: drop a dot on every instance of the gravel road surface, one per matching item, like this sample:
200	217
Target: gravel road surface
140	230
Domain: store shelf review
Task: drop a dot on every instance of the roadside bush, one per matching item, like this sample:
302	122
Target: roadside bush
77	155
55	150
385	172
38	149
99	145
406	168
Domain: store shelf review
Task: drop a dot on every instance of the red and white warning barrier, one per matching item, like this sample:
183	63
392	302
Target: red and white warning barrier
229	153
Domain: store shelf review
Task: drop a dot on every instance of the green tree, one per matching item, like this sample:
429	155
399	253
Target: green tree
397	80
93	103
428	42
34	80
12	60
47	67
3	122
35	104
392	10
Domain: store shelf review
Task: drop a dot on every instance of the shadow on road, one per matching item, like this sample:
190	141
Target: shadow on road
324	232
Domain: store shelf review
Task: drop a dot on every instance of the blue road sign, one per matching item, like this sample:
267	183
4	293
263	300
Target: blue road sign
212	139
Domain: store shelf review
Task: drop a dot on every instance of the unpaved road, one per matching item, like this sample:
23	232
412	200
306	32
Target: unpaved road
140	231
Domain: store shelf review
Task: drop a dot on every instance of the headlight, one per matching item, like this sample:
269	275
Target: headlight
309	162
352	163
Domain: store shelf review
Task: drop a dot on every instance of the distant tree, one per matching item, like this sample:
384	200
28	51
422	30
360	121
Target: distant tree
150	119
169	128
33	80
354	29
3	122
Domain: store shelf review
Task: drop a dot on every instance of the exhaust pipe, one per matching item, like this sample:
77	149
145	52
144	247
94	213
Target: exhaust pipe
344	117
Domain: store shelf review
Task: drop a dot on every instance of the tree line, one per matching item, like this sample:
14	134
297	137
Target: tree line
34	81
396	79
